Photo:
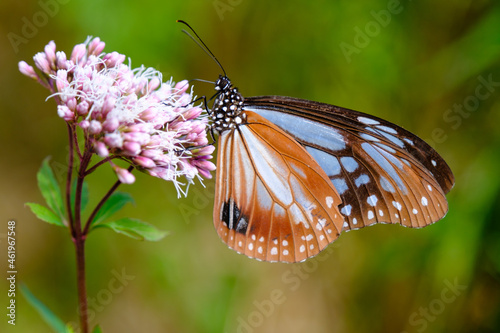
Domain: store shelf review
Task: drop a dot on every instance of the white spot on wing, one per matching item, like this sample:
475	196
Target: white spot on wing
274	251
384	164
397	205
387	129
327	162
349	163
372	200
409	141
368	121
362	180
368	137
321	223
329	201
424	201
386	185
340	185
346	210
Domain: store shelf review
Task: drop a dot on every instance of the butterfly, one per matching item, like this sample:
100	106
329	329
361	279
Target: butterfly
292	174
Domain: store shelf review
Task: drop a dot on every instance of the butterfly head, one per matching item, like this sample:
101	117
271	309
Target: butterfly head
227	111
223	83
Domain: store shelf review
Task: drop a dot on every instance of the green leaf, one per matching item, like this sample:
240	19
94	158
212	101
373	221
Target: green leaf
50	188
134	228
85	196
114	203
47	315
97	329
45	214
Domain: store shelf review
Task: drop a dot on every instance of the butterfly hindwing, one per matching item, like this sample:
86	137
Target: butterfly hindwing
273	201
382	172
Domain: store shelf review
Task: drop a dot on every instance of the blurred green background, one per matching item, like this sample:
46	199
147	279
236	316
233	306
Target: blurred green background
419	64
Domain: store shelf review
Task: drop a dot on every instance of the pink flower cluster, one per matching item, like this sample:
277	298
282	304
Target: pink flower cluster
126	113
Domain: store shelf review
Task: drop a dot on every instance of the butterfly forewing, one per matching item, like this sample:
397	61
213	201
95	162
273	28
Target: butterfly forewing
273	201
382	172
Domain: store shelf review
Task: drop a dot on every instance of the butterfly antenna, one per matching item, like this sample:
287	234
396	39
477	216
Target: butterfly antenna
201	44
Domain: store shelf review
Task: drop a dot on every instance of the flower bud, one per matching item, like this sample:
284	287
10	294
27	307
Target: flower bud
62	80
110	124
124	175
109	105
78	53
50	52
27	70
113	59
131	148
82	108
71	103
96	46
181	87
61	61
139	137
65	113
144	162
84	124
41	62
95	127
101	149
154	83
113	140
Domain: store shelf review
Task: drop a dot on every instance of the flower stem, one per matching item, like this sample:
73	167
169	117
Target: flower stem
99	205
79	240
68	180
80	278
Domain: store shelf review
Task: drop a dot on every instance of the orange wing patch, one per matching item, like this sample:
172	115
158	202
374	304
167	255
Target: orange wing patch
273	201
